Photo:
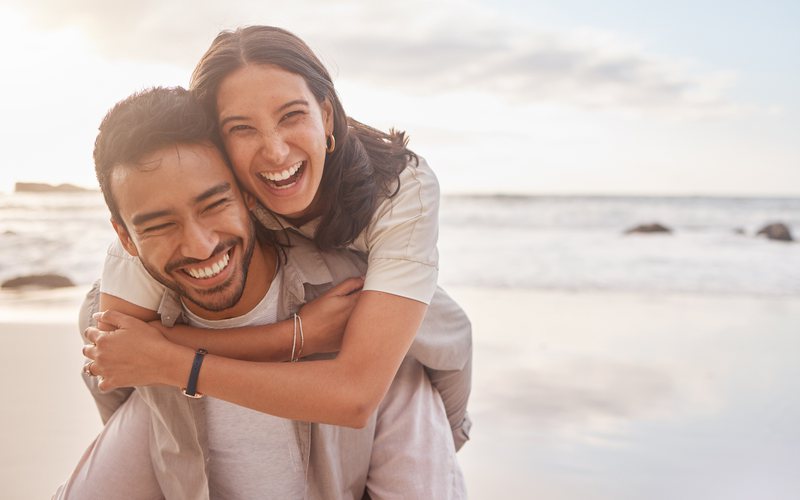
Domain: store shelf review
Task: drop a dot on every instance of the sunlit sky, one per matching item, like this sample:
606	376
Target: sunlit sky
508	96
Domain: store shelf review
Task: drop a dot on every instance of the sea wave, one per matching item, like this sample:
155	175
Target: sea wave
548	242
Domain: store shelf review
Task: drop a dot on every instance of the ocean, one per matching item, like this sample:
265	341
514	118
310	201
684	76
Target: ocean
564	243
606	366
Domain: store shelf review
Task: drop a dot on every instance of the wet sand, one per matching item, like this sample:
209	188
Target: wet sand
576	395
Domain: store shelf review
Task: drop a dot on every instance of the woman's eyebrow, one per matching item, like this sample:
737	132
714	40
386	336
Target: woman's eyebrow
230	119
292	103
301	102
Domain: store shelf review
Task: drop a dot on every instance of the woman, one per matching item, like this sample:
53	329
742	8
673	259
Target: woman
342	184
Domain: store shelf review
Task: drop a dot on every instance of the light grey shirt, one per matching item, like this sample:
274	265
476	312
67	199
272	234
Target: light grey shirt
251	454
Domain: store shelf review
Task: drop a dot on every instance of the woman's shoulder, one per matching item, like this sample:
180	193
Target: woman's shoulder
416	195
405	224
418	176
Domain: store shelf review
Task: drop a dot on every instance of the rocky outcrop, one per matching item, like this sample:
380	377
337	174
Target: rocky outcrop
37	187
38	281
649	228
776	231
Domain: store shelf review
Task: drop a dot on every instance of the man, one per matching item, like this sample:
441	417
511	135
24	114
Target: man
176	207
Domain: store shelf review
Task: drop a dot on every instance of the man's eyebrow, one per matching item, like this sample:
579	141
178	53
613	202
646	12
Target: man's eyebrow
208	193
231	118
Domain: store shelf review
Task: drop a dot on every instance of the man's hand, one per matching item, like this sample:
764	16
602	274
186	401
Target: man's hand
325	317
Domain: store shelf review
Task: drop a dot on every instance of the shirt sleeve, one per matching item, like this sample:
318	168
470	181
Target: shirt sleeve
400	241
125	277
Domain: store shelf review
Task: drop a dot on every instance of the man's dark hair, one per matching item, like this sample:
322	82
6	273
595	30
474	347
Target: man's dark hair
144	123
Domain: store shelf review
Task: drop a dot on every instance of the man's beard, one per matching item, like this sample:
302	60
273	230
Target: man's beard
218	300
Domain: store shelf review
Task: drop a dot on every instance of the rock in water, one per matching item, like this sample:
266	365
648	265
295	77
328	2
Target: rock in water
38	280
649	228
776	231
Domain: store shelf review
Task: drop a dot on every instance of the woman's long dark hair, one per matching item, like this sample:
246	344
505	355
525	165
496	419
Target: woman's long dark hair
365	166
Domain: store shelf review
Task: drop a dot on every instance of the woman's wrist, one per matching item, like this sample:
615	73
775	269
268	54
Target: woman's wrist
176	365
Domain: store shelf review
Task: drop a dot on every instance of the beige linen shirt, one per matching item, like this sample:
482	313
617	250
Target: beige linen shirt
340	458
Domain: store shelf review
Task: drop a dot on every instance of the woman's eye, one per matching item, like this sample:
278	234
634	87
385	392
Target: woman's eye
293	114
238	128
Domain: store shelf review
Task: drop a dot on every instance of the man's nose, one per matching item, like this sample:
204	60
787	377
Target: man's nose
198	241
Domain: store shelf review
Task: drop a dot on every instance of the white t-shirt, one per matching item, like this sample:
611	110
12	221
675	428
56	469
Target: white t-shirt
399	242
252	455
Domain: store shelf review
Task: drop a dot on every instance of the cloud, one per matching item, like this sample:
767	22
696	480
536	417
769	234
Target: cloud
417	46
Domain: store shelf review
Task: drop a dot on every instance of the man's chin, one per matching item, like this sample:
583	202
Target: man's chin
219	298
215	299
213	305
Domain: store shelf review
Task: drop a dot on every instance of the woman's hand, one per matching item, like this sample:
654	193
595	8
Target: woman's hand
132	354
325	318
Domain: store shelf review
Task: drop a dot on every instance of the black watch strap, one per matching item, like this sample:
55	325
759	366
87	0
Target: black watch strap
191	385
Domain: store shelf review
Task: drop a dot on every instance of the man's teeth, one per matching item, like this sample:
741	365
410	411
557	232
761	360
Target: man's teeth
282	175
210	271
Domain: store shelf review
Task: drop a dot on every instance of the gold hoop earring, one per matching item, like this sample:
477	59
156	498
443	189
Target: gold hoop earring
330	143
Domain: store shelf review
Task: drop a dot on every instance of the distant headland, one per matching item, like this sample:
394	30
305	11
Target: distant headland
39	187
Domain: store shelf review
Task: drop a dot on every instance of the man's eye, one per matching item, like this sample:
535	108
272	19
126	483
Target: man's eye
157	228
217	204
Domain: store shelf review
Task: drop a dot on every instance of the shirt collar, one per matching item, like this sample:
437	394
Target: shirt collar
304	265
275	222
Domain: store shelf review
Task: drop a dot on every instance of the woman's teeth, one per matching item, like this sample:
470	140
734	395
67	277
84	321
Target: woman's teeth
210	271
284	178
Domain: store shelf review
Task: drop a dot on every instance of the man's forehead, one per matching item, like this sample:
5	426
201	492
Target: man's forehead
171	175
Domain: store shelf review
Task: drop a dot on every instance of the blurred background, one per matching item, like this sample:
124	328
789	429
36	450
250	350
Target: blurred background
608	364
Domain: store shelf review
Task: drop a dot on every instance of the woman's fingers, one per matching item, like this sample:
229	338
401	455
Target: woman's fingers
92	334
111	318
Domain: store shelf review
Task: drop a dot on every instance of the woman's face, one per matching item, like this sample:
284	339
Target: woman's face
274	131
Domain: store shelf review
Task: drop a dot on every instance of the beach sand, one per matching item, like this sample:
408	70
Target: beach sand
48	417
576	395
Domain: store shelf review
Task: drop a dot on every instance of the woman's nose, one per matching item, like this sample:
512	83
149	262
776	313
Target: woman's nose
274	148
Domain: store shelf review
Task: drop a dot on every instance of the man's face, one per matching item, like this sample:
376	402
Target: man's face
185	219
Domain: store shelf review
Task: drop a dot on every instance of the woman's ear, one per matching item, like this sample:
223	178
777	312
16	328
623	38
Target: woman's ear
327	115
124	237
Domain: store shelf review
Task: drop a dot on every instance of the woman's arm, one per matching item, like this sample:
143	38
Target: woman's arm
324	320
111	302
341	391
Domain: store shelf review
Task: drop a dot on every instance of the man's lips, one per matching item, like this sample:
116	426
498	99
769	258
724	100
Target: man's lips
209	270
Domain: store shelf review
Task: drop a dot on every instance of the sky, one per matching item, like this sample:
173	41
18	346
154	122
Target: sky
509	96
